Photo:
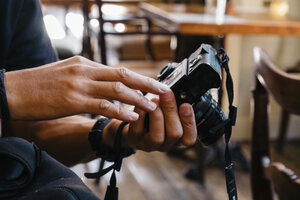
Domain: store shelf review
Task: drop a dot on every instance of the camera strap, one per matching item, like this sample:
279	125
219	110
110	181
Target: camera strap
112	191
229	172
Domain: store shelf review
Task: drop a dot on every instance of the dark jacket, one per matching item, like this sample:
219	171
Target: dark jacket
24	42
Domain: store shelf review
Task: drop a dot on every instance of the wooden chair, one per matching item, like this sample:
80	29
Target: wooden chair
266	176
84	5
285	116
136	25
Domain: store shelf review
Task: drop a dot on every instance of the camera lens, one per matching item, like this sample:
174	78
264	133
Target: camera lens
208	115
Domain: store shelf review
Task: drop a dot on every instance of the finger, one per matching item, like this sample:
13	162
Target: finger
137	128
131	79
173	126
118	91
108	109
156	135
188	124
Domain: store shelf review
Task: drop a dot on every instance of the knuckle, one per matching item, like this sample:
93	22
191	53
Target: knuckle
150	82
104	105
75	69
141	98
78	59
123	72
188	123
119	111
169	107
69	85
118	87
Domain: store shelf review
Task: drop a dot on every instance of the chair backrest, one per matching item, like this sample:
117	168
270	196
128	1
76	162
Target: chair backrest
132	19
285	89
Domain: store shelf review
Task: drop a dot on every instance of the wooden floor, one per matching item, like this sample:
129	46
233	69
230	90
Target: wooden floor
157	176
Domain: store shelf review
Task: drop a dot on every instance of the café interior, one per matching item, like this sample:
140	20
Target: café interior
262	39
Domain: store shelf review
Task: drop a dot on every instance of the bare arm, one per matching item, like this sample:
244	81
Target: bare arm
74	86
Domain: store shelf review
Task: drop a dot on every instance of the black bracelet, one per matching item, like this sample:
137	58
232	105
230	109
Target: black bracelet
103	151
4	105
95	135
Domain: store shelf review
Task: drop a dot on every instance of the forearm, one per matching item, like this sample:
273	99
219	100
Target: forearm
75	86
66	139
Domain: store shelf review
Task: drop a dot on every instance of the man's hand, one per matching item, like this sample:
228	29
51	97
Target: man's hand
167	127
66	139
77	85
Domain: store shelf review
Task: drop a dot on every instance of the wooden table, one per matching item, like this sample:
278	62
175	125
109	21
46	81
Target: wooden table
191	19
182	20
69	2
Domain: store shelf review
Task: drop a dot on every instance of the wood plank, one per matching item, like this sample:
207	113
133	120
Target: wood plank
156	176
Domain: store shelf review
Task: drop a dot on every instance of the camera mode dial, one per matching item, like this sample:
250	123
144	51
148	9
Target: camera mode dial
165	72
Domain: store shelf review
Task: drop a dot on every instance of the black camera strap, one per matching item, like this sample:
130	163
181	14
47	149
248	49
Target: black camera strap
112	191
229	172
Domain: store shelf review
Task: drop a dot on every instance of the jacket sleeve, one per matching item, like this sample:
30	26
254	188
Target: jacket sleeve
25	40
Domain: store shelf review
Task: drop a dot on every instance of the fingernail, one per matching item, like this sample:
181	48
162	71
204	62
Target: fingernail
133	115
164	88
138	91
152	105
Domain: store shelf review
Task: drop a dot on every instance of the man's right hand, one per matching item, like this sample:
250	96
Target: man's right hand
77	85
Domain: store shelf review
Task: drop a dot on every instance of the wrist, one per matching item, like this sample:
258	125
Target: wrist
96	134
109	133
103	139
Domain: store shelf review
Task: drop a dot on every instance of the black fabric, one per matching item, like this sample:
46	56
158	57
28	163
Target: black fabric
26	173
43	178
22	153
4	105
24	42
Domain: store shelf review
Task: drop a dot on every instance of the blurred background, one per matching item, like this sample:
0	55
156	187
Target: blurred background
144	36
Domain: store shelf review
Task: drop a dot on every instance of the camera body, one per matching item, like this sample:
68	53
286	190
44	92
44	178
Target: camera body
191	81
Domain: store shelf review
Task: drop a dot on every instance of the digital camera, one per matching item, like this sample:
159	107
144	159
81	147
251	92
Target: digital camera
191	81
